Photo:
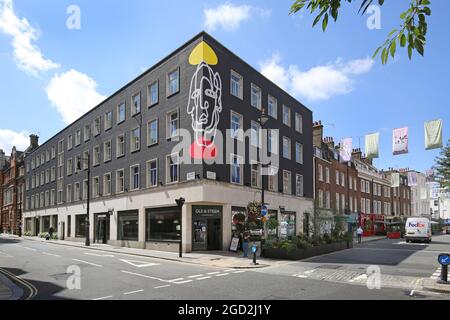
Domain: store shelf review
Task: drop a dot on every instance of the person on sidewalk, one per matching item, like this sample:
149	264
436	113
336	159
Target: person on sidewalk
245	244
50	233
359	232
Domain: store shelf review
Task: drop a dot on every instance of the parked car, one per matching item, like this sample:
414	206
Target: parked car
418	229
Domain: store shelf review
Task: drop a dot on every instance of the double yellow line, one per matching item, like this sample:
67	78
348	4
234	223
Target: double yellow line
31	288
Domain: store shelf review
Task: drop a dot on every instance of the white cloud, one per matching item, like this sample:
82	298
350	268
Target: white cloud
27	55
229	16
9	139
317	83
73	93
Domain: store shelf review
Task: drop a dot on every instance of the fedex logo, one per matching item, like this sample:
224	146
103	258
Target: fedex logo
417	225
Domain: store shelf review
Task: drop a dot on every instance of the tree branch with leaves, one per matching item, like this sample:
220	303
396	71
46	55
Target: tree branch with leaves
411	34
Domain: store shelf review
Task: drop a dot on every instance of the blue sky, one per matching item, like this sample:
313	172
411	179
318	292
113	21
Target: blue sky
330	73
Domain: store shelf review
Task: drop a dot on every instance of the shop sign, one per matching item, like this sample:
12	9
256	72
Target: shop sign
207	211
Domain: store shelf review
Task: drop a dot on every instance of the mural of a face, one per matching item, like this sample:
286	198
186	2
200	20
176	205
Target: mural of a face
205	101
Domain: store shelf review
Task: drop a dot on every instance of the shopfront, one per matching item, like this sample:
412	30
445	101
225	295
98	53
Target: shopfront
206	228
372	224
101	227
288	224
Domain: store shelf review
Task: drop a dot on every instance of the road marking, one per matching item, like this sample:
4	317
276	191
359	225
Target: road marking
240	271
173	280
228	270
139	264
90	263
196	276
33	290
222	274
181	282
99	255
51	254
212	273
204	278
6	255
358	278
160	287
309	271
300	276
103	298
31	249
132	292
144	276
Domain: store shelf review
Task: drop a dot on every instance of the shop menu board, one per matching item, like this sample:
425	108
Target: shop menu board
234	244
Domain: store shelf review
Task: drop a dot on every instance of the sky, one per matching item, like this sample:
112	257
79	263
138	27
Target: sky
53	69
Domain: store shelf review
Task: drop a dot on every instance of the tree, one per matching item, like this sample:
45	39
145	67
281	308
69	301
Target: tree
442	167
411	33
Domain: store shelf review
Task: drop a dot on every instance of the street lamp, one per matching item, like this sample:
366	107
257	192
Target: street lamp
262	122
180	203
88	169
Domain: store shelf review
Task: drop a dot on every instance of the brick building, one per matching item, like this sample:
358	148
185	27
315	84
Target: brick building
401	195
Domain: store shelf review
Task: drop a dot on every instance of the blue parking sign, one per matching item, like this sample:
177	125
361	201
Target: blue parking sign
444	259
264	210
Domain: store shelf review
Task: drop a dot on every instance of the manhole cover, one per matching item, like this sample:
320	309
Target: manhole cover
329	266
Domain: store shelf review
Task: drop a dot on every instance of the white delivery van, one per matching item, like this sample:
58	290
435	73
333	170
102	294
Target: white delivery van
418	229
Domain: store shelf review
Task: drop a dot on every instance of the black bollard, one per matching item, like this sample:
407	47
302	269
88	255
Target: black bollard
444	273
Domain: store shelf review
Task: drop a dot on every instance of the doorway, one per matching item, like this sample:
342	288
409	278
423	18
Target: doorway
37	228
101	228
206	228
214	234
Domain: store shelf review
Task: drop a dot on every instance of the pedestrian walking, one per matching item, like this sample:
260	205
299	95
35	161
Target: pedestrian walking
245	244
359	232
50	233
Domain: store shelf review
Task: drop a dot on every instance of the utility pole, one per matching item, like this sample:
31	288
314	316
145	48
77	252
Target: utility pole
88	159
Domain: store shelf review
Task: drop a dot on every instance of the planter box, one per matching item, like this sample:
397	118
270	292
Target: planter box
299	254
394	235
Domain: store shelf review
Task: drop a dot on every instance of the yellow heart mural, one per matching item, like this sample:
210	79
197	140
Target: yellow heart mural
203	52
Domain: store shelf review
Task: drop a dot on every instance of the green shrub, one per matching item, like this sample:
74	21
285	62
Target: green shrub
27	234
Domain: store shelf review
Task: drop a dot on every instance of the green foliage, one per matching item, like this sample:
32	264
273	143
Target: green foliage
442	167
272	224
411	33
27	234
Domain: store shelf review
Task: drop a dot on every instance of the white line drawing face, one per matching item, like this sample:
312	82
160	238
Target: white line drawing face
205	104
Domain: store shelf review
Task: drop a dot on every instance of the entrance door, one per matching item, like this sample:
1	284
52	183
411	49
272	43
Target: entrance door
102	229
214	234
37	228
199	237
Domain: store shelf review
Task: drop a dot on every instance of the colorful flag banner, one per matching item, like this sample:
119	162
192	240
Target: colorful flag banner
395	180
400	141
412	178
433	134
372	145
345	151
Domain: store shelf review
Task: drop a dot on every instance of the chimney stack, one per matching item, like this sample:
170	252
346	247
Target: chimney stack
357	154
329	141
34	141
317	134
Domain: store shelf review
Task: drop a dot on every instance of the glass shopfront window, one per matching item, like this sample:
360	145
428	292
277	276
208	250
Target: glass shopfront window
128	225
238	216
287	225
45	223
163	224
80	226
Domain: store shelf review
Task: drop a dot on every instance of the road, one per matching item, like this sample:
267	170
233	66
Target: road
49	269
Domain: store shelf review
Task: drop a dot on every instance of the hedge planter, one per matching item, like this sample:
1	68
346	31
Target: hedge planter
299	254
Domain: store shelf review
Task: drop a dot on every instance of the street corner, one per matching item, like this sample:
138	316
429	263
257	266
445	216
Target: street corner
436	286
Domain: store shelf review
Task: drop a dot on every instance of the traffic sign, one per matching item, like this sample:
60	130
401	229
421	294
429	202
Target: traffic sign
444	259
264	210
254	248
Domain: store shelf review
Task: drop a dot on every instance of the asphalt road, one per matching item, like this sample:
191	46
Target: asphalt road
49	268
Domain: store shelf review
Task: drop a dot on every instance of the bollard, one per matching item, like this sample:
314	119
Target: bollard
444	273
254	251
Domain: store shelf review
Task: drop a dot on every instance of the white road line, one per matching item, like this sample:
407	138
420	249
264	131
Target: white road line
51	254
185	281
99	255
6	255
309	271
211	273
196	276
222	274
31	249
173	280
144	276
358	278
132	292
160	287
240	271
103	298
204	278
228	270
90	263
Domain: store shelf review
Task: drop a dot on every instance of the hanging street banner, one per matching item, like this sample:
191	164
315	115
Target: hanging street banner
400	141
345	151
412	178
372	145
395	180
433	134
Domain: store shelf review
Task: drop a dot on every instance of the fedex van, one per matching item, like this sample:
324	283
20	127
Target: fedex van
418	229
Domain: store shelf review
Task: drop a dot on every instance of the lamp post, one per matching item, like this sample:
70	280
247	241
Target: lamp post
88	169
180	203
262	122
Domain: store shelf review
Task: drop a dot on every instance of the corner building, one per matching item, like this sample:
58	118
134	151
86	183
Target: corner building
137	173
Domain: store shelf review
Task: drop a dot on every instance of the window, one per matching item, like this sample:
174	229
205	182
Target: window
255	175
128	225
272	141
69	147
286	116
85	160
172	168
320	170
173	79
163	223
342	179
288	225
236	169
367	186
321	198
77	139
327	175
76	195
107	153
47	152
299	185
236	84
337	177
121	112
273	179
327	200
53	174
355	184
272	107
153	93
136	104
255	134
255	98
120	148
299	152
80	226
85	189
152	173
172	124
135	178
97	126
152	132
363	186
368	205
54	150
351	203
95	187
287	182
135	140
286	148
107	184
120	181
350	184
96	156
69	167
68	194
108	120
87	132
236	126
298	122
338	206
